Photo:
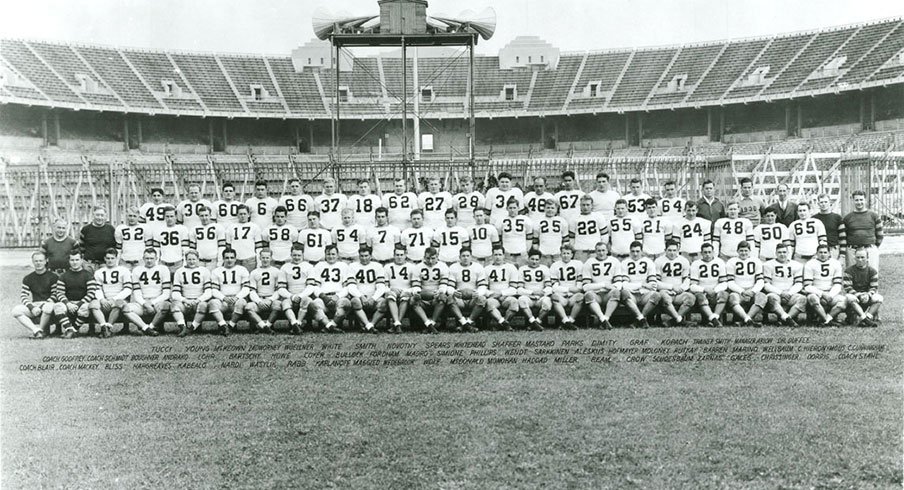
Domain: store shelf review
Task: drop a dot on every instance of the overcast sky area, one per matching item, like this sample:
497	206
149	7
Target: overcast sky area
278	26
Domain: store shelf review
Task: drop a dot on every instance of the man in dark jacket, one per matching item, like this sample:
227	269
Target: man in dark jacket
785	209
709	206
96	237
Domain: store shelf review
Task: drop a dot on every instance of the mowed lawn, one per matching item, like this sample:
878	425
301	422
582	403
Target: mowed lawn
763	424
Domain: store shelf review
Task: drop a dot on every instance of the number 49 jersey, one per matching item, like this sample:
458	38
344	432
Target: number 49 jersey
708	274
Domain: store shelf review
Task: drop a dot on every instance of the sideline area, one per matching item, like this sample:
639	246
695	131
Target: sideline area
12	257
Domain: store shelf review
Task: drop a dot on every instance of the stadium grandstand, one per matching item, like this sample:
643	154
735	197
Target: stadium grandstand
820	110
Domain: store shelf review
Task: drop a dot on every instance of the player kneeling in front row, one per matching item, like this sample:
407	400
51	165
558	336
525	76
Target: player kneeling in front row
264	300
432	285
534	290
470	294
822	283
501	277
191	292
296	291
602	284
861	285
37	301
674	284
370	280
745	286
642	281
114	289
72	294
784	281
398	274
566	287
230	287
708	283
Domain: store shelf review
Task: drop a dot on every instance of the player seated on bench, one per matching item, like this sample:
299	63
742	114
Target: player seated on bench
470	296
534	291
674	284
784	282
823	285
263	298
230	289
370	279
191	292
709	285
565	274
432	286
745	286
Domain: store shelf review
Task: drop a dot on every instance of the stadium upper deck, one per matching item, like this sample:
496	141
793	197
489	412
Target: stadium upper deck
784	66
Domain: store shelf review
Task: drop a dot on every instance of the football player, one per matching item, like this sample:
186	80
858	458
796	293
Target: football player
674	284
642	282
709	285
470	294
230	287
569	198
264	284
370	279
364	203
768	234
399	205
349	236
537	200
692	232
653	229
315	238
191	292
784	280
36	297
398	274
295	290
188	208
672	205
226	210
131	239
806	233
152	212
587	229
383	238
466	201
484	237
171	240
515	230
861	285
501	278
245	238
498	198
416	238
114	289
534	291
730	231
208	238
151	290
297	205
566	288
602	282
636	199
551	233
449	239
72	294
261	205
604	197
823	285
434	202
332	278
330	203
431	284
745	286
623	231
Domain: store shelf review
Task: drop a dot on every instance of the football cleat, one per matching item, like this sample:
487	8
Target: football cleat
296	329
38	335
535	325
69	333
105	331
183	331
606	325
715	323
789	322
150	332
430	327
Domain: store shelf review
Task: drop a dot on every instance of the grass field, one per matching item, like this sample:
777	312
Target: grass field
769	424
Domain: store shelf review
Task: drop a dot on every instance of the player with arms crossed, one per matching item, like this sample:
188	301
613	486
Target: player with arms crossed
745	286
296	291
709	285
861	285
431	284
398	274
151	290
551	233
470	294
230	288
674	284
602	282
784	280
566	288
191	292
502	277
114	289
36	297
371	284
823	286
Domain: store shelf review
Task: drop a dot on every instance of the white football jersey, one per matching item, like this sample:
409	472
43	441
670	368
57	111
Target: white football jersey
588	230
465	204
535	204
567	275
823	275
314	241
230	280
400	207
365	208
708	274
279	240
191	283
551	233
244	239
434	207
482	239
113	280
151	282
296	276
569	204
744	273
500	277
297	208
653	231
207	240
496	200
783	275
383	239
607	271
416	240
188	211
225	212
132	240
171	240
348	240
767	238
515	232
470	277
675	272
261	210
330	207
367	277
450	241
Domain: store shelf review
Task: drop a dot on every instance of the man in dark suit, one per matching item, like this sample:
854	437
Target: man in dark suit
785	209
709	206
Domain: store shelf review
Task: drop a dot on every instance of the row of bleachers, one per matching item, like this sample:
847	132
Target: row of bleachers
447	76
776	57
856	47
730	65
363	79
67	65
208	80
490	80
643	73
552	86
809	59
299	89
873	60
109	64
691	62
20	57
246	71
156	68
20	91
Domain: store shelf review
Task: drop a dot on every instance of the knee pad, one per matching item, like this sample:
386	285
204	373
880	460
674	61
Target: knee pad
493	303
523	302
20	310
202	307
356	303
655	298
734	299
545	303
480	301
251	306
812	299
47	308
591	297
759	299
510	303
877	298
773	298
343	303
94	304
701	298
